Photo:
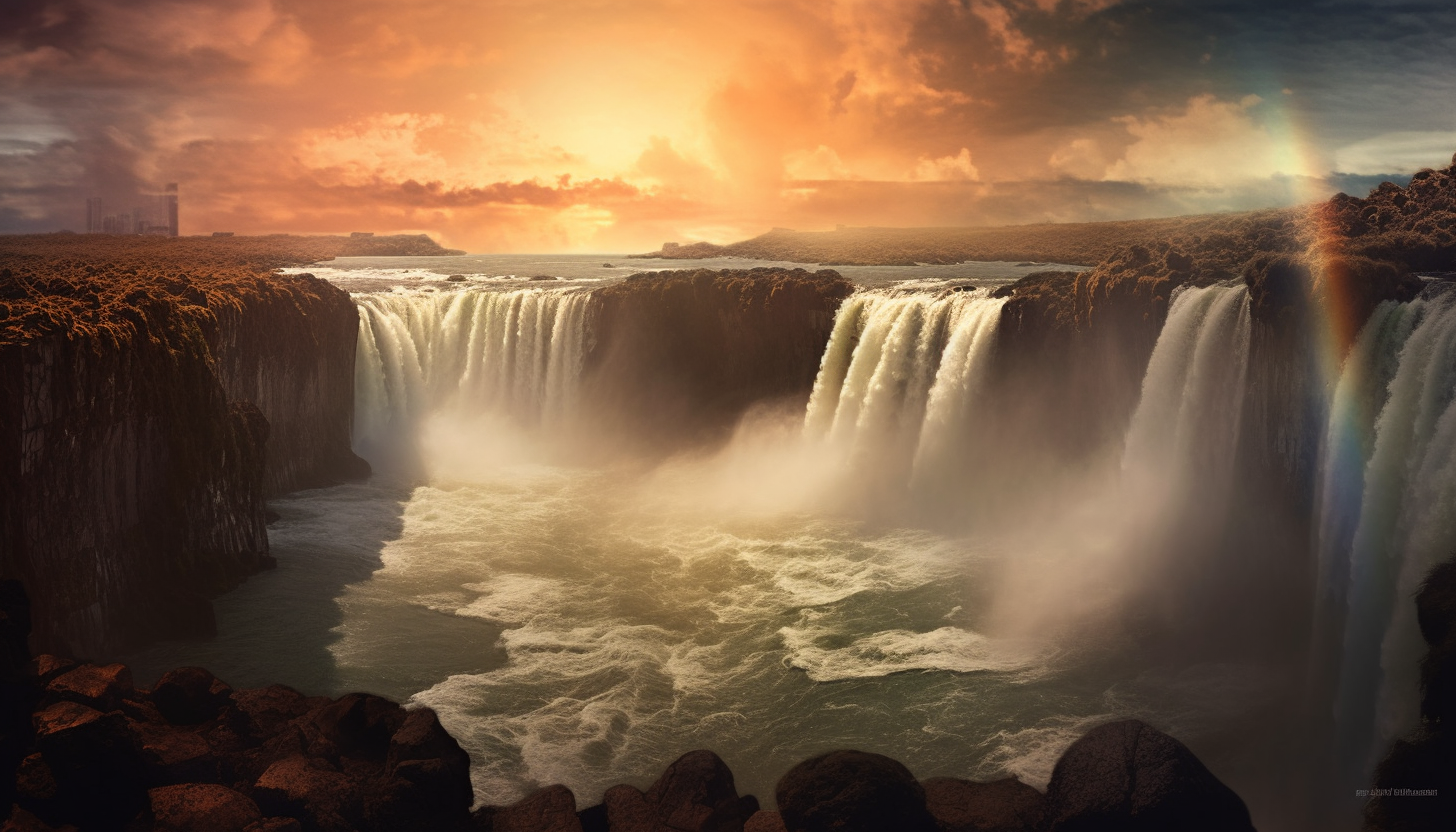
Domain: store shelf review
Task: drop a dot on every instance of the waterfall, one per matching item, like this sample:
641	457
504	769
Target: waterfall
515	354
1180	443
1388	515
900	378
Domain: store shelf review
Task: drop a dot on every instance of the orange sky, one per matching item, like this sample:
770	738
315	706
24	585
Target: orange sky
595	125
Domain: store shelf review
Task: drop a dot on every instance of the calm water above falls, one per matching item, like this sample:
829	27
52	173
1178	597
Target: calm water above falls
586	623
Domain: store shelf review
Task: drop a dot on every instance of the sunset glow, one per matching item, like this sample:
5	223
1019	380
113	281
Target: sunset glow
611	125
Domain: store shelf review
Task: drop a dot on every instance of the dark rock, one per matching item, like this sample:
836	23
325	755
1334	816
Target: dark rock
190	695
201	807
95	686
421	738
275	825
696	794
456	278
764	822
852	791
360	724
1129	776
266	710
543	277
46	667
553	809
1007	805
175	756
628	810
22	821
594	818
310	791
94	761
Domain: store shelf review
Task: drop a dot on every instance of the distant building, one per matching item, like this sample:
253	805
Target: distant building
154	214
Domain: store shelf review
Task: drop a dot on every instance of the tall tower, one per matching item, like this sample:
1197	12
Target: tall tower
95	215
171	196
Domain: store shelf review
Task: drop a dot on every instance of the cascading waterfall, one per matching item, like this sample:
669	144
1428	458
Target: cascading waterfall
901	376
1186	426
1404	496
516	354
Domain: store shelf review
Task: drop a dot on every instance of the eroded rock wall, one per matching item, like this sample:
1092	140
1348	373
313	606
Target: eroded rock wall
680	356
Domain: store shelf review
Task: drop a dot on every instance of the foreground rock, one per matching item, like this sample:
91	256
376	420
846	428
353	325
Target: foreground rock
1128	776
1415	781
194	754
852	791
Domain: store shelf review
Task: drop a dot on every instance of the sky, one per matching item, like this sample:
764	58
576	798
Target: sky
608	125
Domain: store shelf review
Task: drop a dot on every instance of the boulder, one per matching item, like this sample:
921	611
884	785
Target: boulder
852	791
276	824
1007	805
266	710
553	809
94	761
101	687
627	810
201	807
190	695
175	757
420	737
696	794
764	822
308	790
360	724
1128	776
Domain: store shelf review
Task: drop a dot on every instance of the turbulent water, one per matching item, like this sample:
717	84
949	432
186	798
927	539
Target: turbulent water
585	624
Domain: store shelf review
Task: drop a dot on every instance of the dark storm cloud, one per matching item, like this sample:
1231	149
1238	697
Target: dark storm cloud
1350	66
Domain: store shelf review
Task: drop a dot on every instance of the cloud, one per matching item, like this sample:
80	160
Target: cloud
1398	152
946	169
621	123
1206	144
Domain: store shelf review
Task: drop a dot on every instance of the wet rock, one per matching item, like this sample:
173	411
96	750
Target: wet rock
201	807
310	791
1007	805
594	818
852	791
421	738
173	756
360	724
266	710
627	810
764	822
94	761
275	825
696	794
553	809
22	821
190	695
96	686
1129	776
46	667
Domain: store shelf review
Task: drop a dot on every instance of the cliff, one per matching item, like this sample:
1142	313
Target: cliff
680	355
139	379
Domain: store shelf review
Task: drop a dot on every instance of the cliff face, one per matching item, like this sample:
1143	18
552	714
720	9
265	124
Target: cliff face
1073	347
133	489
292	355
136	394
681	355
